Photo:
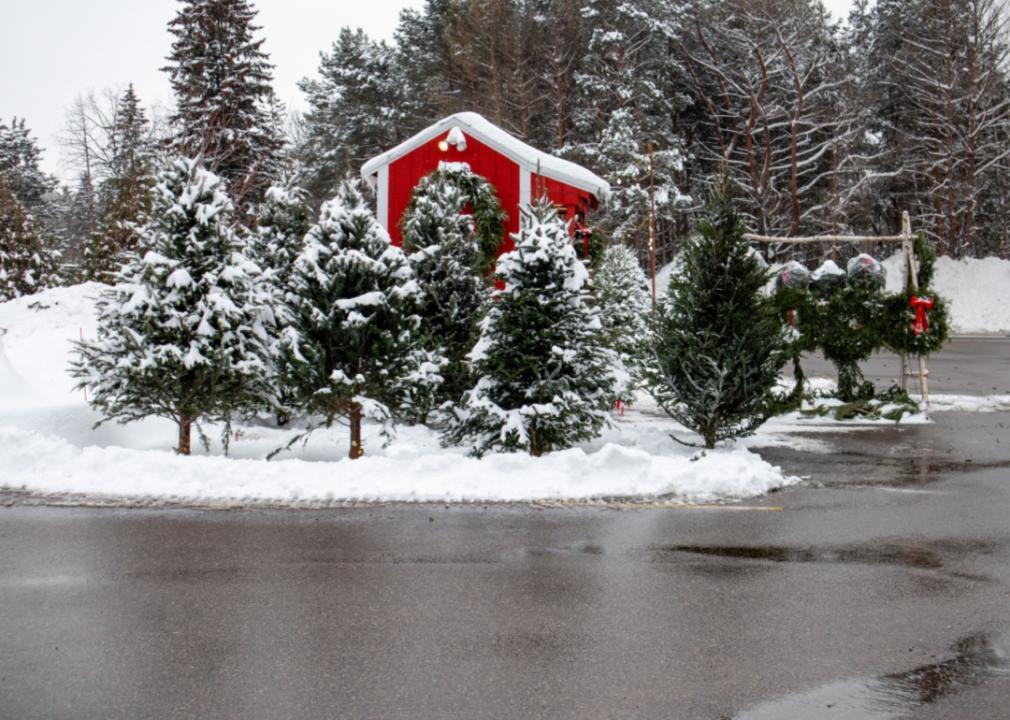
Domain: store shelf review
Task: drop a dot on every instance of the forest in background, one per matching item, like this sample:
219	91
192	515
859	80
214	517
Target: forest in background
821	126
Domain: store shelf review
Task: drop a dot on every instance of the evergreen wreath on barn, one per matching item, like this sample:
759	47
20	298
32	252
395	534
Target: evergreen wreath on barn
485	207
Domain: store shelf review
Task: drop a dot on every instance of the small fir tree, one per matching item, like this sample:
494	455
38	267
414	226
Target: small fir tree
350	349
545	379
283	220
621	292
28	261
445	254
719	342
183	334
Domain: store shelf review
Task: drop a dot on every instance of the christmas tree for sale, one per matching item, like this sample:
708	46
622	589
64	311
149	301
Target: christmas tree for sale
445	253
283	219
351	347
28	262
184	332
545	380
621	292
719	343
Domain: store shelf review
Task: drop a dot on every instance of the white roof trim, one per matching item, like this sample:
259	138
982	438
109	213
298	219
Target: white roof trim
528	158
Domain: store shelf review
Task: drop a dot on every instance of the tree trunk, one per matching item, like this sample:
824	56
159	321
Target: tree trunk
185	436
357	449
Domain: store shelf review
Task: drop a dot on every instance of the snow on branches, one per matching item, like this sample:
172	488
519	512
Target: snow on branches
545	381
183	334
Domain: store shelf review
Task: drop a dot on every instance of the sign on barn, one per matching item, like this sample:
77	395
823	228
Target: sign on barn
517	171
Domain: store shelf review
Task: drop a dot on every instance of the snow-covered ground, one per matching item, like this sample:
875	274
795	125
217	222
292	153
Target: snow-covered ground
48	446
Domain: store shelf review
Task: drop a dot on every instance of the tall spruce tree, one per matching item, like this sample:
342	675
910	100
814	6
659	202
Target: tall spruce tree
447	259
719	344
545	381
355	110
350	348
28	261
184	332
226	108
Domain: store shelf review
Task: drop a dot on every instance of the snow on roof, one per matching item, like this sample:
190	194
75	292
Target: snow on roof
529	158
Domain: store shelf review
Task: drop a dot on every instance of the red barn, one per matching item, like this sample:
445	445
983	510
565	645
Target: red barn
515	169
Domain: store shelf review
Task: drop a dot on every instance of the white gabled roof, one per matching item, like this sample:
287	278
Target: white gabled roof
529	158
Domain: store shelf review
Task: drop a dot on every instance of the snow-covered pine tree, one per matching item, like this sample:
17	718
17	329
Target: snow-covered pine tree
78	222
226	108
283	220
28	262
126	192
20	164
719	344
445	254
355	110
182	335
545	380
621	292
625	100
351	348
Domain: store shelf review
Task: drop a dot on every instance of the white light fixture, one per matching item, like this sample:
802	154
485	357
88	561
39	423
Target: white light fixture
443	146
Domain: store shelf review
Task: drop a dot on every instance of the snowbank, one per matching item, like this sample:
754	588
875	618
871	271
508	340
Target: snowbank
48	446
48	464
40	329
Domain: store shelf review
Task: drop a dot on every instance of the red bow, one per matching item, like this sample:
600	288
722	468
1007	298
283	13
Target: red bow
921	305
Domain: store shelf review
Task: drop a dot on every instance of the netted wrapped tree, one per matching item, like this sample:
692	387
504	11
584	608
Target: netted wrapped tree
184	332
545	380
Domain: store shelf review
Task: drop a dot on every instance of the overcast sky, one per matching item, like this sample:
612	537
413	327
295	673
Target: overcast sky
52	50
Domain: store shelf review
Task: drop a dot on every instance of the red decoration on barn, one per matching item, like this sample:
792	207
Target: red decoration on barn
518	172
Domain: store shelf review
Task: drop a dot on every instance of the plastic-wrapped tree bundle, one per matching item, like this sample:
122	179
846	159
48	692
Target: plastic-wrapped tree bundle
865	273
827	279
793	275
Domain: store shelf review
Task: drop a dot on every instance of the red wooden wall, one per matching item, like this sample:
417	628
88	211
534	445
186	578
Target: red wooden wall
500	171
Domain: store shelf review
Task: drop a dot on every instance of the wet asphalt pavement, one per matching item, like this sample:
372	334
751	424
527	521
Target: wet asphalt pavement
878	589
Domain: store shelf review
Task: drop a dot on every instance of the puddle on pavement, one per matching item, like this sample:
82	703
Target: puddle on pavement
974	660
856	468
874	554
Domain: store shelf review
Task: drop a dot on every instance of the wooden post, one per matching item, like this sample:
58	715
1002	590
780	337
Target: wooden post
356	415
913	283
